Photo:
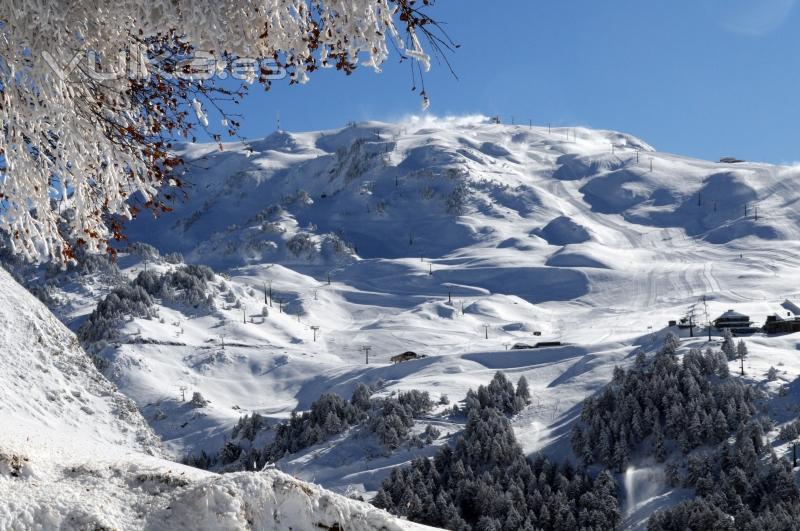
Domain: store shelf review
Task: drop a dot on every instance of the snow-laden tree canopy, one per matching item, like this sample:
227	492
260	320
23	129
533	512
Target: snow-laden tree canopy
92	92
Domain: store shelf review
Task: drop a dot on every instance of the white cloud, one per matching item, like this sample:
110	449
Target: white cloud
749	17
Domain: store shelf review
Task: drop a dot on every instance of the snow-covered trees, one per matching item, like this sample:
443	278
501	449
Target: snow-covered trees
692	402
523	393
772	374
187	285
665	408
248	427
391	419
198	400
91	95
486	482
728	347
361	397
741	353
329	415
738	486
230	453
500	395
103	323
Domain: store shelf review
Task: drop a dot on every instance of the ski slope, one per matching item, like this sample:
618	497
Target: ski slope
453	238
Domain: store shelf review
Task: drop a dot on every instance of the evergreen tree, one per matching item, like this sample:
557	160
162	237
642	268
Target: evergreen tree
723	371
672	474
499	394
658	444
361	397
523	393
728	347
772	374
671	343
383	501
741	353
721	429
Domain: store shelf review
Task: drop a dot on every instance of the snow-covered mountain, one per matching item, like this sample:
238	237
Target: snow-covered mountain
452	238
430	188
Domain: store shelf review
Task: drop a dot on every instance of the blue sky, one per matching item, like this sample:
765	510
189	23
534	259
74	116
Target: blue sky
705	78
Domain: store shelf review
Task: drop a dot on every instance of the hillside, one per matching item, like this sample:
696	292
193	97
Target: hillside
452	238
51	386
76	454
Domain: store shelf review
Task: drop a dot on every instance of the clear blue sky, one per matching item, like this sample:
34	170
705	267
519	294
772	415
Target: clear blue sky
706	78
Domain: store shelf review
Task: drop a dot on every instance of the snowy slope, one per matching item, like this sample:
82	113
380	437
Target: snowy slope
76	454
50	385
436	234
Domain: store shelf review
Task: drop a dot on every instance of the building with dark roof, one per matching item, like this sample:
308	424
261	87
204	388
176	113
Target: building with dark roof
737	323
405	356
779	325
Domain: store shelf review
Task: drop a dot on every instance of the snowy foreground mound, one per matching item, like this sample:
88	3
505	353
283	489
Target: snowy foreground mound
76	454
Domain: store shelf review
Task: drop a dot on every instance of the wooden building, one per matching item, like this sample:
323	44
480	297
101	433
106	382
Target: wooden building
540	344
405	356
779	325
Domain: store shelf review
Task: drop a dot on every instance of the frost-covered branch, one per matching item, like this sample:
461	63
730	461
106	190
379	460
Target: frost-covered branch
92	93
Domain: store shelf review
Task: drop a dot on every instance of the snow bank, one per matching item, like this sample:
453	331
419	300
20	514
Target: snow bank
269	500
563	231
131	492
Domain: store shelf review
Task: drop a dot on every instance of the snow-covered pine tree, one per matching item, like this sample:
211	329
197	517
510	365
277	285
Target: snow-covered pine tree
360	398
484	481
577	440
723	371
741	353
666	399
523	391
672	343
198	400
727	344
658	443
721	428
383	500
621	452
499	394
672	474
772	374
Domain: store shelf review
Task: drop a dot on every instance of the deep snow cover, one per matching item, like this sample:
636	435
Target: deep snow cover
455	239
